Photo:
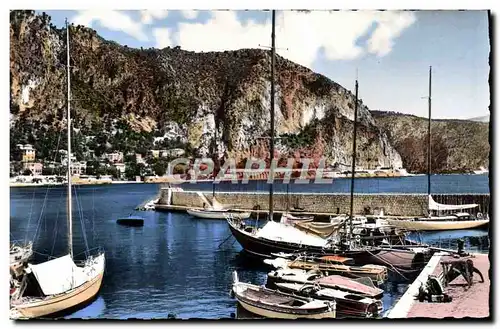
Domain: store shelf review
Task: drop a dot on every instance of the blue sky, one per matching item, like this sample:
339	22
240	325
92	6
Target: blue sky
390	51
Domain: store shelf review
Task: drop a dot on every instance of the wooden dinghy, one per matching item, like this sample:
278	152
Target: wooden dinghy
377	273
278	305
347	304
360	286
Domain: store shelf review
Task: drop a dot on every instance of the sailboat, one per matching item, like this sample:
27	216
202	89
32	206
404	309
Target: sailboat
58	285
455	221
275	238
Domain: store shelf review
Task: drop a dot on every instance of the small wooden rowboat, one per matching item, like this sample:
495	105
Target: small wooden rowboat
377	273
348	304
278	305
360	286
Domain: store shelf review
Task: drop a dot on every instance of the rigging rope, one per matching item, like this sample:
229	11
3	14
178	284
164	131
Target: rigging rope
40	217
29	218
81	220
56	226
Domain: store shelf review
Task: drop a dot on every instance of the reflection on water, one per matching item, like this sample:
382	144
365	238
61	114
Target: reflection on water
475	240
173	266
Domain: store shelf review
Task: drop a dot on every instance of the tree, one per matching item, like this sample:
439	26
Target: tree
27	172
134	169
94	168
47	171
113	172
160	168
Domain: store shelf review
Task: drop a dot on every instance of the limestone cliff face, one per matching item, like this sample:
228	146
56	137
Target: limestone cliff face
182	96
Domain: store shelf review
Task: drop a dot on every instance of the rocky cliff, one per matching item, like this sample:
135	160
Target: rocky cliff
456	145
126	98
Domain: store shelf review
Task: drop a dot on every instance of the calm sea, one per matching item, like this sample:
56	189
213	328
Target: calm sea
440	184
175	265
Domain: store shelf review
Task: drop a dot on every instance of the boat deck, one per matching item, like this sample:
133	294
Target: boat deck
180	208
470	303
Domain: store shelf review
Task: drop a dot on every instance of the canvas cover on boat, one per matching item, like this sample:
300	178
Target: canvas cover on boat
433	205
58	275
286	233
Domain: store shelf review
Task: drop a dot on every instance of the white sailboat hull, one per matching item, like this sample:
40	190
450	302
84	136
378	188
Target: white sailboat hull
214	214
434	225
91	276
59	303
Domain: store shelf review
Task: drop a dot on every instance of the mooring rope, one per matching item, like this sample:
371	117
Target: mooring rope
389	265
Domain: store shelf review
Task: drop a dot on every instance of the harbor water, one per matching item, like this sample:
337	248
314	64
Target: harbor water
174	265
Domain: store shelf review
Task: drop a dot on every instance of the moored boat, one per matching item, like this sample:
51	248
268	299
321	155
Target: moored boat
360	286
131	221
376	273
347	304
274	304
62	284
458	221
217	213
276	238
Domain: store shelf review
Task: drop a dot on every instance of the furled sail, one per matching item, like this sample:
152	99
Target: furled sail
433	205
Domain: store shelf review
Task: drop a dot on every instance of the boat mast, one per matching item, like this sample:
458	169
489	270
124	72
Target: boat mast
215	157
429	137
271	148
353	160
68	173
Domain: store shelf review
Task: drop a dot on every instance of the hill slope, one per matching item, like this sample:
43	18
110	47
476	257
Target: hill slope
125	97
456	145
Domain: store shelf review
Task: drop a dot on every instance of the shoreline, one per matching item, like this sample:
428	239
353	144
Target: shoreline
64	184
187	181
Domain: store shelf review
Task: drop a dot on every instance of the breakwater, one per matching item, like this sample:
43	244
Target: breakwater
331	203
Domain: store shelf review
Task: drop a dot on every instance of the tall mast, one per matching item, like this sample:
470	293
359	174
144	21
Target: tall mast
271	171
68	174
353	160
429	136
215	157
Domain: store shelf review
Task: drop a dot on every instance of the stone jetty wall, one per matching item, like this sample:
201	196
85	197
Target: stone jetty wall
392	204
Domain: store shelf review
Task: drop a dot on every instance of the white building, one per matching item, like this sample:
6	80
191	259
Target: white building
78	168
114	157
173	152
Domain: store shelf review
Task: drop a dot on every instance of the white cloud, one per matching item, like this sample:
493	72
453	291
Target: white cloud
112	20
190	14
390	26
300	35
162	37
147	16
